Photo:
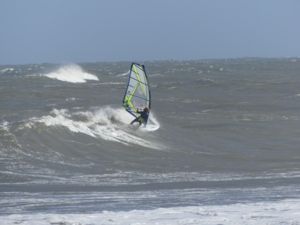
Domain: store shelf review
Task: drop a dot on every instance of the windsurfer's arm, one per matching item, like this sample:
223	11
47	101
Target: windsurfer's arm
139	110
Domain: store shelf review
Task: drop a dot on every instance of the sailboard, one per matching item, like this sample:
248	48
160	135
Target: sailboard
137	95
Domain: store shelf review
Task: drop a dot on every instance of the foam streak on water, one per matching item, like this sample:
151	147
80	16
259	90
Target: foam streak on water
275	213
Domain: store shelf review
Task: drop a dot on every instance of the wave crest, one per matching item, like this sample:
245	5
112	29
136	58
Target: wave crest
107	123
71	73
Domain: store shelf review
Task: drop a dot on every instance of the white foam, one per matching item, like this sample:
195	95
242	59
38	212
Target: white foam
9	69
152	124
71	73
72	99
4	125
275	213
112	83
107	123
124	74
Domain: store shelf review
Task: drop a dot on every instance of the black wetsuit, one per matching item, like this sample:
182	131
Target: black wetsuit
142	118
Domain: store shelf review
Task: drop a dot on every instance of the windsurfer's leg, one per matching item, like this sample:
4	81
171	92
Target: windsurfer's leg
135	120
141	120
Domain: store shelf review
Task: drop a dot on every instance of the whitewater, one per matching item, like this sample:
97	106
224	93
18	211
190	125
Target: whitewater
221	145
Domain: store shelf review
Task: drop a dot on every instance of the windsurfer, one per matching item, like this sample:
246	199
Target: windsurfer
142	119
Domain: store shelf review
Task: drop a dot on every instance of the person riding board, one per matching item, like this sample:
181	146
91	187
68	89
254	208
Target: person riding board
144	113
142	119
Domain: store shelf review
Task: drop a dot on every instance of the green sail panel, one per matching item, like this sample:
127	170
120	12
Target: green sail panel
137	95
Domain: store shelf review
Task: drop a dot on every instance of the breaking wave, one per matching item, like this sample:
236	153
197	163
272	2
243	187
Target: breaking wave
106	123
71	73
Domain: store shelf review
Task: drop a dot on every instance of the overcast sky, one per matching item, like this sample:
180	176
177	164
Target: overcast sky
36	31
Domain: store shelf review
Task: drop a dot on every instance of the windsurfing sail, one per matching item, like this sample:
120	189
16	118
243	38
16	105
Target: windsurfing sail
137	95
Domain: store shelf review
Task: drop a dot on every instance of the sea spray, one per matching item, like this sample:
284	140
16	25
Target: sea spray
106	122
71	73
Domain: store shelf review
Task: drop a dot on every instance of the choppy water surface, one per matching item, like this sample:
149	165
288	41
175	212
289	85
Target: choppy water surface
223	137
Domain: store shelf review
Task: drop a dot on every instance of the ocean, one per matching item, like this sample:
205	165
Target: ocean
221	147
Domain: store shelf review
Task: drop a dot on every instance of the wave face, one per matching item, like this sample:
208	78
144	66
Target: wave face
221	132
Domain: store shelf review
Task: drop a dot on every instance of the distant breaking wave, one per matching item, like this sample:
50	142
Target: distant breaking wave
7	70
71	73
